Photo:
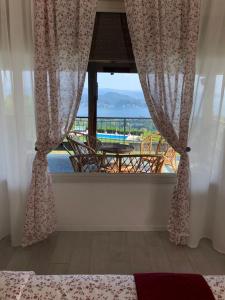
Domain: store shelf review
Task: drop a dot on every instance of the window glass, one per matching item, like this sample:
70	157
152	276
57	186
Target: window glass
127	140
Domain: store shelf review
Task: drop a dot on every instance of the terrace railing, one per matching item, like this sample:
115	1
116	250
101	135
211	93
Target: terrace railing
124	130
134	131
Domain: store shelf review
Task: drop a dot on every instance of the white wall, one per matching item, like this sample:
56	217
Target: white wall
113	202
105	202
4	210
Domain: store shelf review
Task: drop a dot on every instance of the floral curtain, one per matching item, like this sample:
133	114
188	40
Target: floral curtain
164	37
63	33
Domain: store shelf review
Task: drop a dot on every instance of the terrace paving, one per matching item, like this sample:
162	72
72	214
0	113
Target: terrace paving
60	163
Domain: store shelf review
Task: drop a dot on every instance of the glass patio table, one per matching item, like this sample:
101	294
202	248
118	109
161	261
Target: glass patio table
117	149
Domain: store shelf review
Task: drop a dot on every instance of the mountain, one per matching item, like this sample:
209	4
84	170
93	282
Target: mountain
116	103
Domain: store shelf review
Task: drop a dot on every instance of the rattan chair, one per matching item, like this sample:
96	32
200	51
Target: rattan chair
163	148
90	141
171	158
84	158
146	145
133	163
94	143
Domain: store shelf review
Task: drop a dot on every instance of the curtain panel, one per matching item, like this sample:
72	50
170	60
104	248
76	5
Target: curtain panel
62	36
164	37
17	121
207	131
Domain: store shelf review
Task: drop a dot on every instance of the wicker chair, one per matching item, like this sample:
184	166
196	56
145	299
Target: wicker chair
90	141
170	158
133	163
163	148
84	158
146	145
94	143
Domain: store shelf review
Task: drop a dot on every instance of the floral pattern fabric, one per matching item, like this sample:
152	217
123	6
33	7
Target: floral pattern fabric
27	285
164	38
63	32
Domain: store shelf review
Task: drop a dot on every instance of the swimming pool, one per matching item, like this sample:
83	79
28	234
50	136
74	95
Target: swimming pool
112	136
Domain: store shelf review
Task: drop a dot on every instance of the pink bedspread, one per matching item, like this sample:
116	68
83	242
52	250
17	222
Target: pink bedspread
27	285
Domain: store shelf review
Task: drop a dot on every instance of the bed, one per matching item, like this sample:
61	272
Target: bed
28	285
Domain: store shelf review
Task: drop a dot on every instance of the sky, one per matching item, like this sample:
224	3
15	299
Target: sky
118	81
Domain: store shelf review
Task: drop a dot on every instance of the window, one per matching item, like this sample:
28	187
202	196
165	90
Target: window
113	118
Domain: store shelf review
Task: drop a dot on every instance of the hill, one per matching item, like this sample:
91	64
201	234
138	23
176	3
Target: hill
116	103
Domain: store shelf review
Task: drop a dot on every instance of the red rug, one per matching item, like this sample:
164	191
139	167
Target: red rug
172	286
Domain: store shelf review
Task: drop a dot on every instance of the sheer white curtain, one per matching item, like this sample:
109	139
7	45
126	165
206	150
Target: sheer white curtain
207	134
17	121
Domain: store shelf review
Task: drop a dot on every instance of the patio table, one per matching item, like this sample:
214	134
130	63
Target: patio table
117	149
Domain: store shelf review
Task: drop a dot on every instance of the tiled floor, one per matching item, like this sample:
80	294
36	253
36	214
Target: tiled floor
59	163
110	253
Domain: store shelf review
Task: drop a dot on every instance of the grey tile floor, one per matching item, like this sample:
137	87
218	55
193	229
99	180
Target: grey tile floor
110	253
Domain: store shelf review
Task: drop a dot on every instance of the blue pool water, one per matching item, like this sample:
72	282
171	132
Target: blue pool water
111	136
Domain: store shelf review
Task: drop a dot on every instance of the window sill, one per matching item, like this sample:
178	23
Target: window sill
164	178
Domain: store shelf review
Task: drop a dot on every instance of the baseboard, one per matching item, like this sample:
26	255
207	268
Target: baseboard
111	228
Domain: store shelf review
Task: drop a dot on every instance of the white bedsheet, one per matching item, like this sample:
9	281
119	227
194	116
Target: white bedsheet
27	285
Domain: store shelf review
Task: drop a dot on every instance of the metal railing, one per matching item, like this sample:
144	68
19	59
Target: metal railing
114	129
130	131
